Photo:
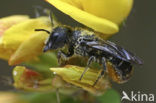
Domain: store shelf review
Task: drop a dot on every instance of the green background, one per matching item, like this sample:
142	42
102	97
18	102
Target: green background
138	35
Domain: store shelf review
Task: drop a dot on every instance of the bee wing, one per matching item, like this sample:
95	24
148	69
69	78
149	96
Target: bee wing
105	48
125	54
114	50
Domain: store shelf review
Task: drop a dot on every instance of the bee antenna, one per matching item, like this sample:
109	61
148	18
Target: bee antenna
42	30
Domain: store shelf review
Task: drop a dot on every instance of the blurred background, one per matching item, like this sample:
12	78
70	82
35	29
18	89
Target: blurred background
138	36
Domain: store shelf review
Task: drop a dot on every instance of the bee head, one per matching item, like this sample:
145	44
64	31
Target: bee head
57	39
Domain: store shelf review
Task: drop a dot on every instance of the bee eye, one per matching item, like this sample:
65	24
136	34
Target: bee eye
55	34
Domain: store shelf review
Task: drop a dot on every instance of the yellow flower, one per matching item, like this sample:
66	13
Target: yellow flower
6	23
101	15
71	74
29	80
20	42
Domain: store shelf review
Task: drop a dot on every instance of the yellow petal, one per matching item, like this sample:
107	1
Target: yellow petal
5	53
71	74
29	80
97	23
15	35
30	48
113	10
7	22
24	77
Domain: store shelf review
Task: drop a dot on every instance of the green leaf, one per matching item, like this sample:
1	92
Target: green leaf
49	97
71	100
110	96
46	61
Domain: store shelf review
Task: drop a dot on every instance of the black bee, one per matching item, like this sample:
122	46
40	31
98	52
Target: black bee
84	43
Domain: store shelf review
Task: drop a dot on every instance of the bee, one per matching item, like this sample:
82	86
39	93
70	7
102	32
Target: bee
85	43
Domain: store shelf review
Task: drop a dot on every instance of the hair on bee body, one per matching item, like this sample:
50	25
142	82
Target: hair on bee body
85	43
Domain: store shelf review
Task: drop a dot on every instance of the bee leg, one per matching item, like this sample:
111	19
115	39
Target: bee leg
103	60
119	72
60	55
63	55
90	60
